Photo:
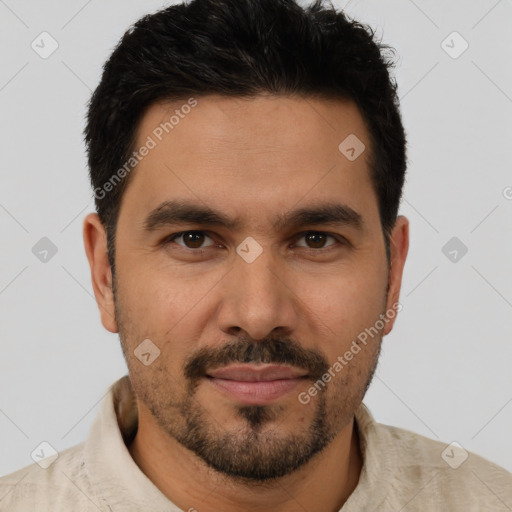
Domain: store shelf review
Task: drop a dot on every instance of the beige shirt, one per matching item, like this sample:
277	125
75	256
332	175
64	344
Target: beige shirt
402	471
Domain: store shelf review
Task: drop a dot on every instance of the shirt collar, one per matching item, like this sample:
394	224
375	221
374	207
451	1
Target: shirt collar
115	477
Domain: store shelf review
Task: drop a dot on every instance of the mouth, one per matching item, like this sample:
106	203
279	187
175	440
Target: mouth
256	384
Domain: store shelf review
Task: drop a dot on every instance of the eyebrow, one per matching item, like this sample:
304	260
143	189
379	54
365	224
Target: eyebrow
174	212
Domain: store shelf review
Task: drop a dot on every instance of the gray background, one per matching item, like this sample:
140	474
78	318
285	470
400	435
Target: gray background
445	368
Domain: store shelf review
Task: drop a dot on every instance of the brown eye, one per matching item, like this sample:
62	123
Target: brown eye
191	239
316	239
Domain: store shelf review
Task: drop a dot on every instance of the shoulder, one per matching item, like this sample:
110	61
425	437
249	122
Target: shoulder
448	473
63	485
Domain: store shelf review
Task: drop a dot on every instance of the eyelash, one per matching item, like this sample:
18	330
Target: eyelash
340	241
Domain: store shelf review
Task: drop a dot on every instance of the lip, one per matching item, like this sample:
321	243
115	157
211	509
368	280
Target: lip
256	384
257	373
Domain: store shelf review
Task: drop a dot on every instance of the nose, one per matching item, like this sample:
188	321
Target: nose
258	298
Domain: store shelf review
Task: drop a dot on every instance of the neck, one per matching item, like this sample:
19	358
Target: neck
323	484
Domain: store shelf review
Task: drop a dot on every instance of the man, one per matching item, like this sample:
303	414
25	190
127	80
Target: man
247	159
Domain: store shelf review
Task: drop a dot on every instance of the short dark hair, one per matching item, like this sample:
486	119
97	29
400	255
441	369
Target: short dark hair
242	48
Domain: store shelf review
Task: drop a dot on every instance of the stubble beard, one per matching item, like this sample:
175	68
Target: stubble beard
260	449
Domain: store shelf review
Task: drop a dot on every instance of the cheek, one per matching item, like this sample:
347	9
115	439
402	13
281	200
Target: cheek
343	307
158	296
167	310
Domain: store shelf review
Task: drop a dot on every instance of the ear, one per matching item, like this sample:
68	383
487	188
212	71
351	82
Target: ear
95	242
399	246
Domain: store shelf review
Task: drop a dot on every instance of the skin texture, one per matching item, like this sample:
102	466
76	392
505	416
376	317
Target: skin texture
302	300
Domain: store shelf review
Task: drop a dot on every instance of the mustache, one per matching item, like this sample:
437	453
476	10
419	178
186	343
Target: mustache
243	350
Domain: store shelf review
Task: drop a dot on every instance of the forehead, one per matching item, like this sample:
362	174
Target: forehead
252	125
242	155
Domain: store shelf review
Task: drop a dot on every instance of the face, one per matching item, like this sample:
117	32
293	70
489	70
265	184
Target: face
250	252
